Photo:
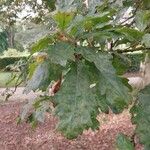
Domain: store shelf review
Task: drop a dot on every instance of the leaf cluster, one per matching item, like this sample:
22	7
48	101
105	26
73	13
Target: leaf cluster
83	54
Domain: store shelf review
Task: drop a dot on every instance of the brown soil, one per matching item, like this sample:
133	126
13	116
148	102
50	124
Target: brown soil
45	136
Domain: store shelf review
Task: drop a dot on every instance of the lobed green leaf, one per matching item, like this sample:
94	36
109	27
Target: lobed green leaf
141	116
111	85
60	53
76	103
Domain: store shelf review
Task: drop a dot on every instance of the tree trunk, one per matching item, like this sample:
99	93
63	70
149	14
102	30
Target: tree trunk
11	35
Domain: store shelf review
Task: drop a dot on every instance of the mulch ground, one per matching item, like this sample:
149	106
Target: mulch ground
45	136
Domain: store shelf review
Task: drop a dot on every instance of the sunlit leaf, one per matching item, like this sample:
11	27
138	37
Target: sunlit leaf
42	44
130	33
63	19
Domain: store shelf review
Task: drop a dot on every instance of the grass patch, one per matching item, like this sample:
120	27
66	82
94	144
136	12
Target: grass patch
5	77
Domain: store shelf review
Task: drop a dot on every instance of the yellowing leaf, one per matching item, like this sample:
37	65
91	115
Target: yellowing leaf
40	57
63	19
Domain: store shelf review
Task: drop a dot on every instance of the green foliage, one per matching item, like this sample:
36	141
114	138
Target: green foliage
50	4
123	143
146	4
142	19
6	77
141	116
77	104
146	40
117	95
83	55
65	51
6	61
3	41
135	60
97	26
128	62
90	22
40	105
63	19
69	5
131	34
42	76
121	64
41	44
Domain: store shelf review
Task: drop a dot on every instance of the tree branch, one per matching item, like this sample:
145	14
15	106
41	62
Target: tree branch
127	19
132	50
131	17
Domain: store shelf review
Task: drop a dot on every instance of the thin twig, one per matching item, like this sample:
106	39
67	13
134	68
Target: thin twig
122	23
132	50
133	14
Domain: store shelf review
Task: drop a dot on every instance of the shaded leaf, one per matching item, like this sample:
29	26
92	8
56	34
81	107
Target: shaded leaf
81	23
25	110
141	117
127	3
120	63
142	19
39	113
123	143
60	53
85	90
116	91
101	35
50	4
146	4
146	40
42	76
3	41
70	5
33	122
77	105
40	105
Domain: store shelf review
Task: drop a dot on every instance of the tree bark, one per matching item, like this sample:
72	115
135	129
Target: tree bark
11	35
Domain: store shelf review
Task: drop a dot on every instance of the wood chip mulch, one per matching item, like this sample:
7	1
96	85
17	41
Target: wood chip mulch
46	137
